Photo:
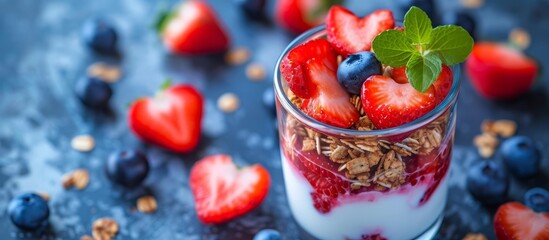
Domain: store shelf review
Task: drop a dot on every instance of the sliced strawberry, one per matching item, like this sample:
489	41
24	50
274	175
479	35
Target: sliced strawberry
497	71
514	221
442	85
390	104
293	70
194	29
222	191
350	34
330	104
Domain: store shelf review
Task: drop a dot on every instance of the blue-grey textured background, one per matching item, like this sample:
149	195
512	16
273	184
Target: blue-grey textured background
41	56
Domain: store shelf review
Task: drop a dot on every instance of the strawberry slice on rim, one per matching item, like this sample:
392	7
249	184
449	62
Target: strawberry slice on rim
390	104
223	192
350	34
514	221
442	85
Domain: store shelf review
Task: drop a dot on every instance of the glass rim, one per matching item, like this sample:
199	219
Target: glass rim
309	121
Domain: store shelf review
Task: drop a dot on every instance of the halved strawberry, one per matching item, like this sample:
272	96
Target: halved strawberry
292	65
390	104
514	221
350	34
330	103
442	85
222	191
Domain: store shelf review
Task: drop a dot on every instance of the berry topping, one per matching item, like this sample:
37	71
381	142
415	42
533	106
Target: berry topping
488	181
537	199
29	211
93	92
267	234
100	36
521	155
498	71
330	104
293	69
172	119
350	34
514	221
128	168
223	192
193	28
390	104
355	69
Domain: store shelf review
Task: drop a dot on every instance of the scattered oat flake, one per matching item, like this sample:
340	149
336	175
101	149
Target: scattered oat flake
504	128
237	56
146	204
520	37
78	178
83	143
86	237
475	236
472	3
104	229
255	72
105	72
228	102
44	195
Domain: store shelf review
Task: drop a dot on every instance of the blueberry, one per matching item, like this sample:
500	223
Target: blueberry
354	70
463	19
93	92
488	181
537	199
29	211
269	100
428	6
254	9
521	155
128	168
267	234
100	36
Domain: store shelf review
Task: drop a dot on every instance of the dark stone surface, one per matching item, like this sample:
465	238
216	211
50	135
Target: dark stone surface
41	56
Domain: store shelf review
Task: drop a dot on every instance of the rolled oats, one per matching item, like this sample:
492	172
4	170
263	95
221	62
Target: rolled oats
146	204
228	102
520	37
83	143
78	178
104	229
358	165
472	3
237	56
308	145
255	72
104	72
504	128
475	236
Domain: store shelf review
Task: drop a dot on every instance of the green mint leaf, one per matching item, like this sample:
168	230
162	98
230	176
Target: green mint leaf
452	43
393	48
417	26
422	71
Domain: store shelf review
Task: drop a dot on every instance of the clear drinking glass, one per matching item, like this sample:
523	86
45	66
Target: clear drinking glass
378	184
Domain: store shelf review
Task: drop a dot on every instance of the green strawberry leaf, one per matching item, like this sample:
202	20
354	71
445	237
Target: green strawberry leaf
417	26
166	84
162	20
452	43
393	48
422	71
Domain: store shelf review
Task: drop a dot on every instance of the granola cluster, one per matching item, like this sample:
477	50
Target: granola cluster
367	161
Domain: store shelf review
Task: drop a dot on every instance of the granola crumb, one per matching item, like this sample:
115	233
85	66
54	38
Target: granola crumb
475	236
255	72
147	204
83	143
237	56
44	195
486	144
520	37
104	229
308	145
86	237
504	128
104	72
228	102
472	3
78	178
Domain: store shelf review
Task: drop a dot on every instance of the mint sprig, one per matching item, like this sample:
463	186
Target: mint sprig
422	49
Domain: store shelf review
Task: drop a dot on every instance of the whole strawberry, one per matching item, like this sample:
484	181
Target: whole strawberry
298	16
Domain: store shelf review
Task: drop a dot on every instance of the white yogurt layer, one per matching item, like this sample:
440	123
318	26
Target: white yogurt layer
395	215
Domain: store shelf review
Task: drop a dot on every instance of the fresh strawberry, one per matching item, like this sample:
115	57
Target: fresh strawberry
222	191
298	16
292	66
514	221
193	29
390	104
442	85
172	119
498	71
350	34
330	104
